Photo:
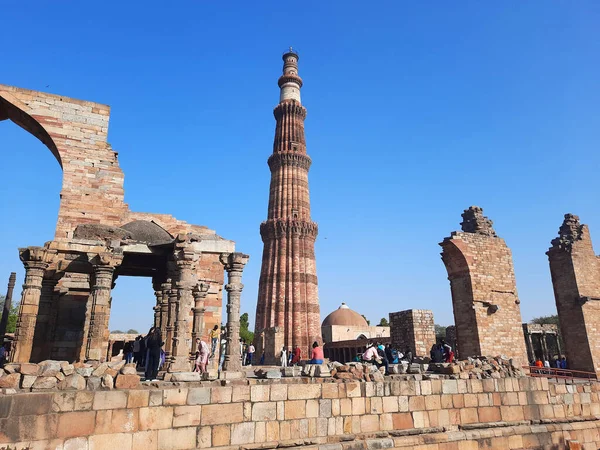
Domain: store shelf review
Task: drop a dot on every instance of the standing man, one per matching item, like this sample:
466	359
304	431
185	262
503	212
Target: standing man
214	338
251	351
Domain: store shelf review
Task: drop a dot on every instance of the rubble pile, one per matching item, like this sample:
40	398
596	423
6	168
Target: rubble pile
63	375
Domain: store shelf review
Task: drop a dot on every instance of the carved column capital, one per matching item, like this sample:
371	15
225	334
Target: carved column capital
200	291
37	257
234	262
105	261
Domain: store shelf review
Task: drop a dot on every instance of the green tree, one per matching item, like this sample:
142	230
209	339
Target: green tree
245	334
440	331
12	315
117	331
553	319
383	322
365	317
132	331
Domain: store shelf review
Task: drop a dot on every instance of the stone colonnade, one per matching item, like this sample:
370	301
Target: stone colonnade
179	310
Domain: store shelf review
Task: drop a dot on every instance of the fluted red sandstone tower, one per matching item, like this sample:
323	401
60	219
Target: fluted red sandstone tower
287	294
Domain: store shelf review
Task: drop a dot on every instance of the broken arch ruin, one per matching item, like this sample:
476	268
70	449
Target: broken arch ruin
66	298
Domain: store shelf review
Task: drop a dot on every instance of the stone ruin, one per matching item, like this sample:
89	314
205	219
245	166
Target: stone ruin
575	271
66	298
484	292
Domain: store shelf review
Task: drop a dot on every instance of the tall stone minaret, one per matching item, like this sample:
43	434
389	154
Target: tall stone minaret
288	295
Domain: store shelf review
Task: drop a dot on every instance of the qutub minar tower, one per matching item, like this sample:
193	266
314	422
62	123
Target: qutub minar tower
288	294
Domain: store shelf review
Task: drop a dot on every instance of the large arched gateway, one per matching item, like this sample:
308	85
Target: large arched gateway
65	304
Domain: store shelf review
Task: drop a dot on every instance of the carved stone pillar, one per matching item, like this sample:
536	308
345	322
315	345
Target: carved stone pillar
234	265
199	292
171	312
104	265
36	260
186	259
43	339
157	308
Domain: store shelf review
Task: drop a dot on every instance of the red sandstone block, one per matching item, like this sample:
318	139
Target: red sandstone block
402	421
489	414
75	424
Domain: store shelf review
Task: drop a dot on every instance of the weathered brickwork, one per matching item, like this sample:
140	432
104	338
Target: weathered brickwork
413	329
65	304
432	414
484	292
575	271
287	293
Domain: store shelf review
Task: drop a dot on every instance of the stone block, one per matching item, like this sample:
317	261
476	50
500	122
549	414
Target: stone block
83	401
121	441
100	370
279	392
177	438
73	382
29	369
126	381
198	396
84	371
295	409
145	440
155	418
312	408
93	383
44	383
242	433
260	393
110	400
10	381
221	414
66	368
27	381
210	375
221	435
49	368
402	421
322	370
76	424
137	398
221	394
186	376
263	411
173	397
304	392
107	381
186	416
203	438
80	443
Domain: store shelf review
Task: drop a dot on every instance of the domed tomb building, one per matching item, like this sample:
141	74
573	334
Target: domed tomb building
345	324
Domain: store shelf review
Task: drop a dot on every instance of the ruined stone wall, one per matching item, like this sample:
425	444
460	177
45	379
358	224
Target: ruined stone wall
413	328
484	293
76	132
575	271
503	413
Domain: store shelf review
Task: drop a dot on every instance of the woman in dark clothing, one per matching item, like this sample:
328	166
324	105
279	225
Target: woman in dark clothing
153	345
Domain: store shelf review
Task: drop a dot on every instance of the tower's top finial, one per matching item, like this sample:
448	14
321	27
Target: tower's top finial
290	83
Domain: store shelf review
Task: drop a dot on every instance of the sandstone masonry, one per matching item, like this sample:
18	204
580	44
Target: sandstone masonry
414	329
484	292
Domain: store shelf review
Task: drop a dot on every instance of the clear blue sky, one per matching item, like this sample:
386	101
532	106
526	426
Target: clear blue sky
415	112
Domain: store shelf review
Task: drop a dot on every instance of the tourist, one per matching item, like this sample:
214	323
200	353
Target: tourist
202	358
283	357
389	354
136	350
3	355
546	363
214	337
408	355
290	357
251	351
144	348
262	359
154	342
437	353
128	351
223	347
297	356
317	356
384	360
563	362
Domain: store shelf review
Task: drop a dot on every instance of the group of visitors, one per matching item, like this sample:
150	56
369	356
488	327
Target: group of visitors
147	353
384	355
559	362
441	352
290	358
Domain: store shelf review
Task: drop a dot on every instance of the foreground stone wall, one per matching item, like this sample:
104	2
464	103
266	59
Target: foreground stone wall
256	415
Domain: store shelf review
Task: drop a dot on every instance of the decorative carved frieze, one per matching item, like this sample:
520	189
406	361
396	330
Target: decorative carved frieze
276	228
276	160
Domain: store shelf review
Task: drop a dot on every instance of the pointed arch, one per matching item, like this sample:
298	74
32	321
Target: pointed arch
10	111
